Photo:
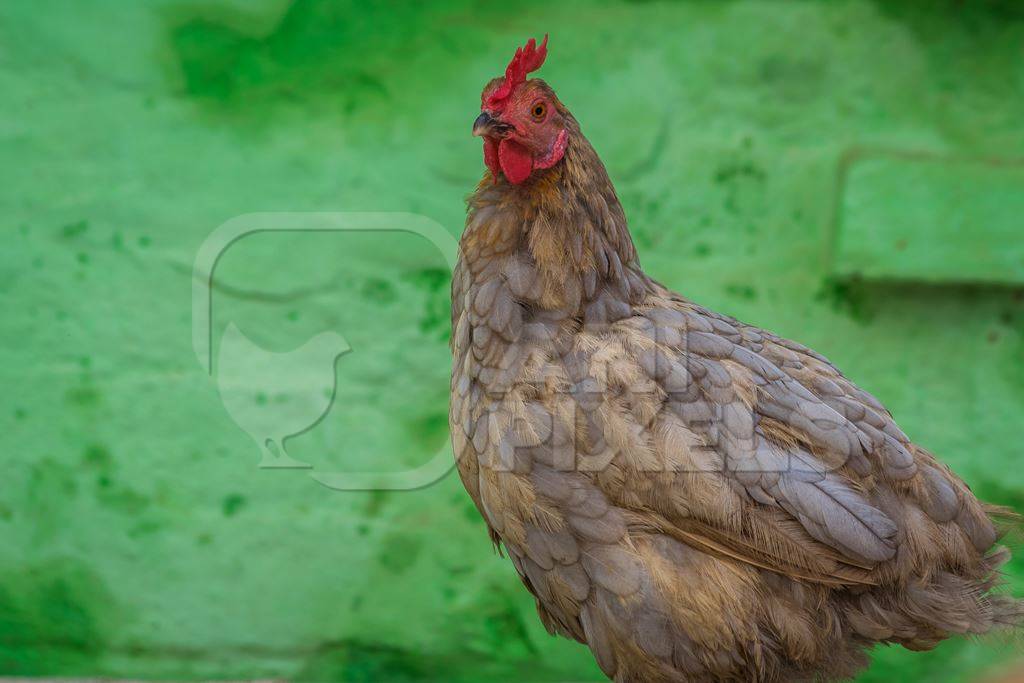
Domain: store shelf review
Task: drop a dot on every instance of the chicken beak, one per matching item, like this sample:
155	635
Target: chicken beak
487	125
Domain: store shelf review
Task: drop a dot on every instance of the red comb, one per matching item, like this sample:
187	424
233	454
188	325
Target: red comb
528	58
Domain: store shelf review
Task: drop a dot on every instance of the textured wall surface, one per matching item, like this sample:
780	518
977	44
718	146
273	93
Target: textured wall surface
766	153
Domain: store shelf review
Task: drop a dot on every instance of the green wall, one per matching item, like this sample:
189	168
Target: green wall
761	150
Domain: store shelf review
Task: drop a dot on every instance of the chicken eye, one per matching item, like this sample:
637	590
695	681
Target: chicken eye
539	110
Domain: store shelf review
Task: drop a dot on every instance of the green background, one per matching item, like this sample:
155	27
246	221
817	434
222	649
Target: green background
845	173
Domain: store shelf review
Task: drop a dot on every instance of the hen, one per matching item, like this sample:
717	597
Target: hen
691	497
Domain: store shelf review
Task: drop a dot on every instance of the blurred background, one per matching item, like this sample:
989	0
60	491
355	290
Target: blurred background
849	174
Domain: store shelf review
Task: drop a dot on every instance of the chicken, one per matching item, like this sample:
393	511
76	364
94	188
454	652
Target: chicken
692	497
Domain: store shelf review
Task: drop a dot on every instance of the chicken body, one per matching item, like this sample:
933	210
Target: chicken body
691	497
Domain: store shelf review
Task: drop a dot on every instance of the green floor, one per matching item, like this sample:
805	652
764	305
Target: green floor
793	163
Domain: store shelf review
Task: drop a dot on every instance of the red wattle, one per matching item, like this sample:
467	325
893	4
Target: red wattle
516	161
491	156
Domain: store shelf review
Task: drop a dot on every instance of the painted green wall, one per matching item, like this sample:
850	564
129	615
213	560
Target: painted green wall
139	537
